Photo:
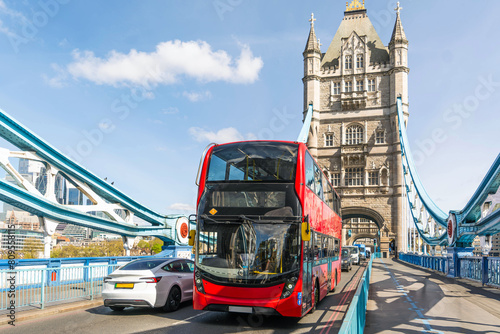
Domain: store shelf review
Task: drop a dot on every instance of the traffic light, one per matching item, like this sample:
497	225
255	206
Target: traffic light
374	242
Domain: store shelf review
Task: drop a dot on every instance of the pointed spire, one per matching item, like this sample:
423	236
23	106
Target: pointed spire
398	34
312	41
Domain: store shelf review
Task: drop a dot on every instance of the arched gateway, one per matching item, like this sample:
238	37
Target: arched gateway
353	88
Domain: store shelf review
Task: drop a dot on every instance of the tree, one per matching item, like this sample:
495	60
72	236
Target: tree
143	245
106	248
32	247
156	245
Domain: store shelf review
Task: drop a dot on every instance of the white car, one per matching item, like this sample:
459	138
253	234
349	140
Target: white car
354	250
152	282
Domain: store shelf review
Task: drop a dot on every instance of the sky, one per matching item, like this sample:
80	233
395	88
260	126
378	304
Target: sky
135	90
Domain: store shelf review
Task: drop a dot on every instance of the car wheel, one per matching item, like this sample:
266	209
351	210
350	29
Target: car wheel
117	308
173	300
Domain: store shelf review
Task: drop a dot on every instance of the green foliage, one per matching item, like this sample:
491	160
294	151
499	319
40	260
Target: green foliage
32	247
143	244
106	248
156	248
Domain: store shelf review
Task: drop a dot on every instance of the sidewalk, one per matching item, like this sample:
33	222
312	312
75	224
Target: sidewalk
407	299
34	313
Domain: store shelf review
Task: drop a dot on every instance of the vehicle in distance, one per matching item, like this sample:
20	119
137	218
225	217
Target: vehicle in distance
362	251
354	250
346	260
153	282
368	253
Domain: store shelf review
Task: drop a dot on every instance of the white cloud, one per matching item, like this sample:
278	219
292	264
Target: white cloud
196	97
182	207
222	136
57	81
170	111
106	126
170	61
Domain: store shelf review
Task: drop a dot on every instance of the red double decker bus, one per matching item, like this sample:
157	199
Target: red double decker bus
268	230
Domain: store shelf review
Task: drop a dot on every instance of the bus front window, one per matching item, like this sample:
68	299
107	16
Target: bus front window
248	252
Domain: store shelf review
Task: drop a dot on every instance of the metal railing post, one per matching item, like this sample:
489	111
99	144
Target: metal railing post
485	269
42	291
91	284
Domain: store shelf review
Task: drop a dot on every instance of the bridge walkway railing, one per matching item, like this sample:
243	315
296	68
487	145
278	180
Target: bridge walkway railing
482	269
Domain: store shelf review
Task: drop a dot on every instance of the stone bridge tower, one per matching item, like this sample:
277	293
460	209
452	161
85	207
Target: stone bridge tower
354	87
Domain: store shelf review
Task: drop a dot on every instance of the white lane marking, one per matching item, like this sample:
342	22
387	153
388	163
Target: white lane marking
186	320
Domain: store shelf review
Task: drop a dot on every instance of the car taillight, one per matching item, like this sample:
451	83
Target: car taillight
151	279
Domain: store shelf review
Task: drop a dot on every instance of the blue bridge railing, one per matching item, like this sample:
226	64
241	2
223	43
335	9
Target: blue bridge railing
355	318
37	287
482	269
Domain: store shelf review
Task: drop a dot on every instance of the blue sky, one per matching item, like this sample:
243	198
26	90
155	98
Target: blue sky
134	90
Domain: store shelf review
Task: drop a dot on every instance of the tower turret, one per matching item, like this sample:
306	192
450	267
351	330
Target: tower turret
398	50
311	80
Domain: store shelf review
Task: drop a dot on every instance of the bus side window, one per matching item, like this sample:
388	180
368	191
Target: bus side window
318	181
332	250
337	245
309	171
315	246
325	246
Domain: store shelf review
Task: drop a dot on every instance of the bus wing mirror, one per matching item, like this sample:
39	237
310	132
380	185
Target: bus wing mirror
192	235
306	231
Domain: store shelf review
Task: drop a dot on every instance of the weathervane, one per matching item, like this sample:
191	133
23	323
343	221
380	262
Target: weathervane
355	5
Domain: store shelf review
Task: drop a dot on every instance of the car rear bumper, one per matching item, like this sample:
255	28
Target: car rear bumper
130	298
127	303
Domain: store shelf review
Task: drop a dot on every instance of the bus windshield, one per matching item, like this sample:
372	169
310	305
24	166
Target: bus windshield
248	252
253	161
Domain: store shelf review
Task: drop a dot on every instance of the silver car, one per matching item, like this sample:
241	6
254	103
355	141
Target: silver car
354	250
152	282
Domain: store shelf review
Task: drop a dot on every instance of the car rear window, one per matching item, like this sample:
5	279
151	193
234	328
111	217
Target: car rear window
142	264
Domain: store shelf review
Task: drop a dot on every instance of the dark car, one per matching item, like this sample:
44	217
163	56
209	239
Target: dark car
346	260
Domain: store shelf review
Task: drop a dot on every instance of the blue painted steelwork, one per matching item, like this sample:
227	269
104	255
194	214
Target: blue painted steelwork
438	263
304	132
355	318
469	222
40	286
485	270
55	263
492	271
429	204
162	226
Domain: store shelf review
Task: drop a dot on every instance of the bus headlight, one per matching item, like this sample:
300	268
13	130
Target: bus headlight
198	282
289	286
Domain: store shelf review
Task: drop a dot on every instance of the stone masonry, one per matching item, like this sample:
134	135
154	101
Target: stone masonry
353	88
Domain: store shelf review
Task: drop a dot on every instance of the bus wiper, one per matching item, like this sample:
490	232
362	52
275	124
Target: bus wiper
206	217
280	220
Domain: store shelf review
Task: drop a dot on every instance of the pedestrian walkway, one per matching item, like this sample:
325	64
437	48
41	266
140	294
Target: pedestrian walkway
406	299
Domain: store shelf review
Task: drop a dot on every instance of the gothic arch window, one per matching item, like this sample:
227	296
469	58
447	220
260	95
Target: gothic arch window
380	136
329	139
371	85
354	135
348	62
360	61
348	87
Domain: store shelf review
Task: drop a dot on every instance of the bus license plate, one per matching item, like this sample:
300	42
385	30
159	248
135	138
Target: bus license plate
124	285
240	309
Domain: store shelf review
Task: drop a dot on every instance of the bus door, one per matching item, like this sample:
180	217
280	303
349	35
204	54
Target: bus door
307	277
